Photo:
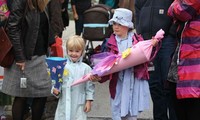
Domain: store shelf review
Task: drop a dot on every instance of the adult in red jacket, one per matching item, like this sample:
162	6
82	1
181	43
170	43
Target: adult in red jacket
188	85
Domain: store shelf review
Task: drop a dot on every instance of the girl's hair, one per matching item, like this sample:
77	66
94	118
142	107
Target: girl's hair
75	42
38	4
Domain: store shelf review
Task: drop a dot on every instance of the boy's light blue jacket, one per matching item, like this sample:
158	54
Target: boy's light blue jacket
72	101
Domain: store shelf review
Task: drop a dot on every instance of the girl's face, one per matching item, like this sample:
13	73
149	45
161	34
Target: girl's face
120	30
74	54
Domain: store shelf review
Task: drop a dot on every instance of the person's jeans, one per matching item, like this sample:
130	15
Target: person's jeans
79	25
162	110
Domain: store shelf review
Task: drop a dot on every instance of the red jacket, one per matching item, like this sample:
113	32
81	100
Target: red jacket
188	11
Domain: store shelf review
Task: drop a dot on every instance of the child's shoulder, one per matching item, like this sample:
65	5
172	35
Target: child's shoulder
86	67
81	65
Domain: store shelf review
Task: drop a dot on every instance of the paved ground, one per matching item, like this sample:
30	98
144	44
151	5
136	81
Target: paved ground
101	107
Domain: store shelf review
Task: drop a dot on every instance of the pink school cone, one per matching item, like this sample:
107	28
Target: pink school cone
140	53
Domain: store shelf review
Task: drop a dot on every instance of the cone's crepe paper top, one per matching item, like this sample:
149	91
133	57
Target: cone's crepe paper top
56	68
96	58
137	54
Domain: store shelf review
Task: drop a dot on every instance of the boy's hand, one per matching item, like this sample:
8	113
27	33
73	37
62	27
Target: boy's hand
56	91
95	78
88	106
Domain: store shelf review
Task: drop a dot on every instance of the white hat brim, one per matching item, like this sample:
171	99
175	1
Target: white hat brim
121	22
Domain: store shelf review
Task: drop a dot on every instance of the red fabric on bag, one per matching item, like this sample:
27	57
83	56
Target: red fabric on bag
56	48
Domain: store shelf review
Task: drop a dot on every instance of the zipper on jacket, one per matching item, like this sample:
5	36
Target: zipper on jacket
181	40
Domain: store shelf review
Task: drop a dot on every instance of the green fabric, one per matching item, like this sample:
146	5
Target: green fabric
110	3
5	99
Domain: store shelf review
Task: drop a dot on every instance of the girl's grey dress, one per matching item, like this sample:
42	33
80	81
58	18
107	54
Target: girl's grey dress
38	80
132	95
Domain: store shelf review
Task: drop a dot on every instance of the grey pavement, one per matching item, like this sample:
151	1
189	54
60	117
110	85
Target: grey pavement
101	105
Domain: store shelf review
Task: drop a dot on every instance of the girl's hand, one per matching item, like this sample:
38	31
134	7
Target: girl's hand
88	106
112	10
154	42
95	78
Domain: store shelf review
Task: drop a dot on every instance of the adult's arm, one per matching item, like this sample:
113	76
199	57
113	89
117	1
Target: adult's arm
138	6
14	28
73	4
184	10
55	17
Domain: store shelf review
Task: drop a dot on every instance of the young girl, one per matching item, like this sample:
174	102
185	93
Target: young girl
75	101
129	92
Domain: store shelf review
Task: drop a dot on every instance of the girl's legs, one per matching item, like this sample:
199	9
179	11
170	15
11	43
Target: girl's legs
38	105
2	117
1	110
129	118
18	108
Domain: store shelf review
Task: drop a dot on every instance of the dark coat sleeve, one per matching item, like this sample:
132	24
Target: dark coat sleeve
55	17
138	6
14	28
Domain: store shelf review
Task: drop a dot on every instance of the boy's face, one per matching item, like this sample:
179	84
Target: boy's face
74	54
120	30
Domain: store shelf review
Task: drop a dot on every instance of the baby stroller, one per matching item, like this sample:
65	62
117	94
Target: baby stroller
96	28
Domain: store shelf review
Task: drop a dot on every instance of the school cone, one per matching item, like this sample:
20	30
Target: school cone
137	54
56	68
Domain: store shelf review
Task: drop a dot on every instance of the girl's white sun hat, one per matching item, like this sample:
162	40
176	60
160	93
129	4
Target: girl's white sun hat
123	17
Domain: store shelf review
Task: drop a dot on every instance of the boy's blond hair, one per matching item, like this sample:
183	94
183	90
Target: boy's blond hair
75	42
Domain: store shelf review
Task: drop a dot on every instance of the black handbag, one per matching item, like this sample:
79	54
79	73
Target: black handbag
173	70
6	49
